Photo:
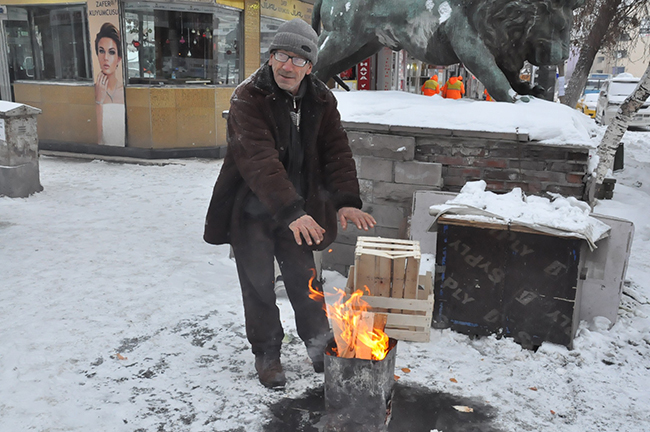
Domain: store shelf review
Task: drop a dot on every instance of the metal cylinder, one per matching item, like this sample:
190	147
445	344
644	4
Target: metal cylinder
358	393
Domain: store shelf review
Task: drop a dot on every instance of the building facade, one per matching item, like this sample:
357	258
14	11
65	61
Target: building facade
152	78
628	56
131	76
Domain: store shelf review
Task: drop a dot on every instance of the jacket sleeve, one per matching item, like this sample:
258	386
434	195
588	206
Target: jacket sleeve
338	166
254	151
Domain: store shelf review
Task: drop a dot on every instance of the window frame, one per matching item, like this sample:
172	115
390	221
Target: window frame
36	48
202	8
264	56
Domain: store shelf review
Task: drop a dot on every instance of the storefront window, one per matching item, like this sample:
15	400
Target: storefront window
48	43
182	46
268	29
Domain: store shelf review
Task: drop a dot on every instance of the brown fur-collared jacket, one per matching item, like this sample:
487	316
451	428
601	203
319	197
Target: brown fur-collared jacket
259	131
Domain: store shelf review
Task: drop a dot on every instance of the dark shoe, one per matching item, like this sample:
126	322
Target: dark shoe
269	370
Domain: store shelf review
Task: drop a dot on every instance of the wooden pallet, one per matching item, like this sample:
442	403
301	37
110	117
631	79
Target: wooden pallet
389	268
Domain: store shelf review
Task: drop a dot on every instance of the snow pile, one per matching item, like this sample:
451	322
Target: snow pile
547	122
560	216
6	106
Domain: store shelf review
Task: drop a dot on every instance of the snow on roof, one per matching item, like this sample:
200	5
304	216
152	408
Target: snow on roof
624	75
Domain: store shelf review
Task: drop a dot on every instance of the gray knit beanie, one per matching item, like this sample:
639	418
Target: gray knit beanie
298	37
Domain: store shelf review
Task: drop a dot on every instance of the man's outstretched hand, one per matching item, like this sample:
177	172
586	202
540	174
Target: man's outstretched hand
306	227
309	228
361	219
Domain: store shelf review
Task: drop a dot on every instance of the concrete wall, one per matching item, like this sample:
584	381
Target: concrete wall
395	161
388	176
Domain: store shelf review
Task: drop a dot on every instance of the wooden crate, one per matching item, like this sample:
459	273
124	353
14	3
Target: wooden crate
407	319
387	267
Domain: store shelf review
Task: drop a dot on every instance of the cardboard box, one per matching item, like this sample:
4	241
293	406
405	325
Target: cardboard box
512	281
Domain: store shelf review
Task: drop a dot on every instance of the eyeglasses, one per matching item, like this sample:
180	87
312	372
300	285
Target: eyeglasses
283	58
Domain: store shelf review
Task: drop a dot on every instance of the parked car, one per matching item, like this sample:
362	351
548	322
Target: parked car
595	82
613	94
587	104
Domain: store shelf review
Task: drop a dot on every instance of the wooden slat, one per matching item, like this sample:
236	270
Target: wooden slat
364	272
399	277
380	321
388	254
350	351
410	305
396	320
384	240
412	272
411	283
383	272
387	247
349	285
363	351
406	335
341	346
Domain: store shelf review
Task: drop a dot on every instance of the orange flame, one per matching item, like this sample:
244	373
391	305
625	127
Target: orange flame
347	316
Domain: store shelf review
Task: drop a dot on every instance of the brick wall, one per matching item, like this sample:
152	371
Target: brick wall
504	165
395	161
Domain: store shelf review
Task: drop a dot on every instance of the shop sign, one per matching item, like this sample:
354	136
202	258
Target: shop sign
286	9
384	65
363	75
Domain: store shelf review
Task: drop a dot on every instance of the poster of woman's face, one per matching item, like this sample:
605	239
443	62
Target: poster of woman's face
107	70
109	89
108	82
107	55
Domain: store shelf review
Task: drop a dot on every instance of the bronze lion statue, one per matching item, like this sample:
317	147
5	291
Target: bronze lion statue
491	38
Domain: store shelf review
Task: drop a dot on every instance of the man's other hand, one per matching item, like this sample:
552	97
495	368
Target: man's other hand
309	228
360	218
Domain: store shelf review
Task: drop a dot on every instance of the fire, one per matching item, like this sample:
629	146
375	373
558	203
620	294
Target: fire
353	326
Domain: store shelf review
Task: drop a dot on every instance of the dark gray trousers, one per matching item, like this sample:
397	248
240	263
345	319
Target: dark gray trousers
255	241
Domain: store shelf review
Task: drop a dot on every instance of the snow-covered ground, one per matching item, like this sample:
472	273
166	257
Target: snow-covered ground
116	316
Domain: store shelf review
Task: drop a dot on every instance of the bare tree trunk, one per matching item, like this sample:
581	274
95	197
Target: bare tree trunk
589	50
618	126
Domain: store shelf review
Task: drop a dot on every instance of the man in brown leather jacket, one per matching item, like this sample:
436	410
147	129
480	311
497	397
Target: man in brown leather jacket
287	180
